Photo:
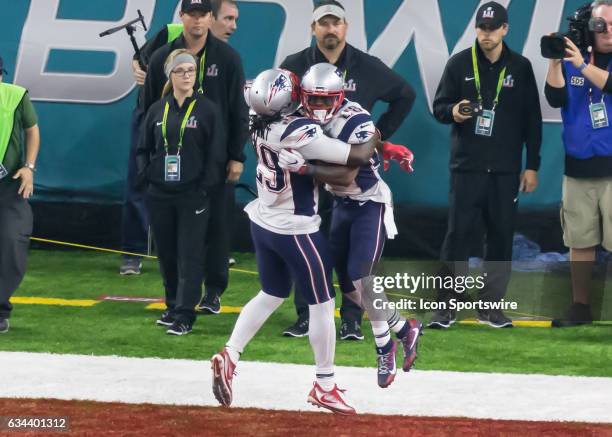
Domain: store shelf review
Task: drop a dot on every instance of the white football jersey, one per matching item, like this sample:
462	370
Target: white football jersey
353	125
287	202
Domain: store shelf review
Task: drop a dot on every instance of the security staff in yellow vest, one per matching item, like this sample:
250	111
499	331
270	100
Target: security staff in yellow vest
17	168
180	158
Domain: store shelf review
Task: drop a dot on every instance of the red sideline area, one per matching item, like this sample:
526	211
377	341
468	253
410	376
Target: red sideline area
115	419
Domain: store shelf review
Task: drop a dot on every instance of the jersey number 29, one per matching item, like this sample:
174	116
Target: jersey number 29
270	175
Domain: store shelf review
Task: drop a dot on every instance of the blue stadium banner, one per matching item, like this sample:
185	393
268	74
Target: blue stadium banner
84	92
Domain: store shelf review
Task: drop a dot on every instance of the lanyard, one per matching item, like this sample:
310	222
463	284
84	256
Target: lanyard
201	74
183	125
500	82
592	62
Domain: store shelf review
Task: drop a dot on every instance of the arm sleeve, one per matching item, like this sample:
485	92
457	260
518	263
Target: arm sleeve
447	96
532	122
291	63
400	96
145	147
326	149
556	97
216	156
238	114
156	78
29	113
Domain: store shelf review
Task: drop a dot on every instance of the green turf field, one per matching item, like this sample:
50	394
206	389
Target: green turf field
128	329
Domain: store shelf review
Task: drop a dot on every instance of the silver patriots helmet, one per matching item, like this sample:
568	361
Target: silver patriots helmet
273	92
322	91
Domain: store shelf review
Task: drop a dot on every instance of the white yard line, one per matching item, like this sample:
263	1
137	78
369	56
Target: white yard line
285	386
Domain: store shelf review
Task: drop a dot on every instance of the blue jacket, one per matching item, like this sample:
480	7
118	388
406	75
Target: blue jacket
580	139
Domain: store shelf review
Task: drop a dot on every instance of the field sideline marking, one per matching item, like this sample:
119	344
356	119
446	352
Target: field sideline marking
54	301
188	382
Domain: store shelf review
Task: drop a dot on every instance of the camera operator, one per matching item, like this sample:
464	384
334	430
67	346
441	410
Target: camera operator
580	85
489	95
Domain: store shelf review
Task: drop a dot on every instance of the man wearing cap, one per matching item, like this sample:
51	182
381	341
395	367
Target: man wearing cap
134	221
367	80
220	77
17	116
486	153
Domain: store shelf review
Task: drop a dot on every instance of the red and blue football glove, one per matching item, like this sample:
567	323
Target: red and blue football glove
402	155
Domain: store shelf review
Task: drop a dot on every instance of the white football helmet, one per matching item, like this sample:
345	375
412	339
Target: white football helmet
273	92
322	91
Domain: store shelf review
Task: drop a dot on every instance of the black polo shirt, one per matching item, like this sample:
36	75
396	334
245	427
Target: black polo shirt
223	83
367	80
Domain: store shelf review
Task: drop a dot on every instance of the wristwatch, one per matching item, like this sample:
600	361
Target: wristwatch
30	166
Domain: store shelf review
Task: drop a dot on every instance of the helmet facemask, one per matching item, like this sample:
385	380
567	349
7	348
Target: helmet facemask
322	105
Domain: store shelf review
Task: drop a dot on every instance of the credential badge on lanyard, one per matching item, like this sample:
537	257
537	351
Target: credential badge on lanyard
598	111
486	121
172	163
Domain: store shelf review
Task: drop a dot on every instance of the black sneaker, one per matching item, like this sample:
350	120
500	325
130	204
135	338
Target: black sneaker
577	314
209	306
494	318
298	329
180	327
4	326
350	330
166	319
443	319
131	265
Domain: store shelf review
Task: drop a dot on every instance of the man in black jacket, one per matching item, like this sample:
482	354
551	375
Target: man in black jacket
367	80
486	152
220	77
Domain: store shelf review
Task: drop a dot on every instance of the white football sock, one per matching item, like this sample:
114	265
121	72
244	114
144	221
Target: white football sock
322	336
396	322
381	332
251	319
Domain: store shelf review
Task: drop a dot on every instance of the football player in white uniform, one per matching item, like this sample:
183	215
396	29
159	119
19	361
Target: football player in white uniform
285	228
362	216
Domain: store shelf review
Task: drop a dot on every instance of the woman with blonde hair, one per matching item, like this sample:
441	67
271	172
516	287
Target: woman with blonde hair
180	157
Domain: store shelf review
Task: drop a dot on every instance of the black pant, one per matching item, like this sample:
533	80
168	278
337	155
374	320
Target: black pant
134	220
216	268
349	310
491	199
15	232
179	227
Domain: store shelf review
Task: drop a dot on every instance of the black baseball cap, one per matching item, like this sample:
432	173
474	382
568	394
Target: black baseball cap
196	5
2	70
492	15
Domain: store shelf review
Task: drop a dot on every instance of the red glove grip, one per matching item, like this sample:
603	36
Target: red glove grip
401	154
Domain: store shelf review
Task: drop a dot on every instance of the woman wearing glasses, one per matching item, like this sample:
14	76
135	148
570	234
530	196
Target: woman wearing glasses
180	156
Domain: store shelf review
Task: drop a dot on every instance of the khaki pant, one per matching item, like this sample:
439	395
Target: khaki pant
586	212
